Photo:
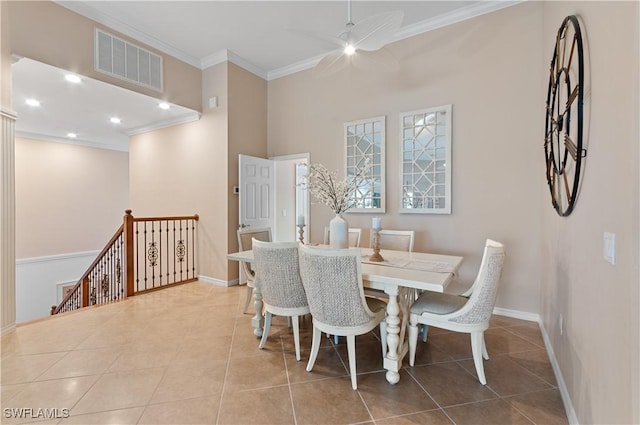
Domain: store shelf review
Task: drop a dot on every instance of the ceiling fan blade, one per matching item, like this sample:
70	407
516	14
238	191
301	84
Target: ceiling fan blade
330	64
374	32
331	41
380	60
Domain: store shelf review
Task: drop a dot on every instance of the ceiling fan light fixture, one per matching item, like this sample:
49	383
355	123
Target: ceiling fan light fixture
349	49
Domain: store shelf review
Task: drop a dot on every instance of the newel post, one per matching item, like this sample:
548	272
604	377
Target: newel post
128	251
85	292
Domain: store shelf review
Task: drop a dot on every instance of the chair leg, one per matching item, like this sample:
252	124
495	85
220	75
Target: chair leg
265	331
351	350
336	339
296	335
485	354
425	333
413	338
249	298
476	348
383	337
315	346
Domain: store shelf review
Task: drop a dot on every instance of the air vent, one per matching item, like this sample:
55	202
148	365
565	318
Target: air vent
126	61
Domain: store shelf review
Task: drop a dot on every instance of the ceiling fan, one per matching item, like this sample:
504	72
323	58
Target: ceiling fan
357	42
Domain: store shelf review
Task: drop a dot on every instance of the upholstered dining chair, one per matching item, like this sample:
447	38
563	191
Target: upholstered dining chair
354	236
332	280
460	314
245	236
397	240
278	277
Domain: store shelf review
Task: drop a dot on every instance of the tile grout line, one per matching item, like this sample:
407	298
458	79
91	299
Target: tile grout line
286	369
226	372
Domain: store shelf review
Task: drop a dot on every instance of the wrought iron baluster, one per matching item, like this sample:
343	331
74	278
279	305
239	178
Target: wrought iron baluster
145	245
168	260
193	248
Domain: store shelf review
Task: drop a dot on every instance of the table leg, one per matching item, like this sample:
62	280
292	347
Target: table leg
393	361
258	320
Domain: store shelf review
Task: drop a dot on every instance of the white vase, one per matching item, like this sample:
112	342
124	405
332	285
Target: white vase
338	233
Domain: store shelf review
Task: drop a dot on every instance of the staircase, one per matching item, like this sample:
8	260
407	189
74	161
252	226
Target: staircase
144	254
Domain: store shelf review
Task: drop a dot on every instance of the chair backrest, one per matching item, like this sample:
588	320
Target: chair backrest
483	298
332	279
354	236
245	237
278	273
397	240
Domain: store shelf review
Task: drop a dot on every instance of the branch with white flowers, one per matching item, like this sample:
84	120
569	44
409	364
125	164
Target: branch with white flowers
339	195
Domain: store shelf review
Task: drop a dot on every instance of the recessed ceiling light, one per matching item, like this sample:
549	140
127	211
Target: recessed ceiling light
33	102
164	105
115	120
72	135
72	78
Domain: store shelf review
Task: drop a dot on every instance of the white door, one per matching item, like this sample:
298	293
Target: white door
257	192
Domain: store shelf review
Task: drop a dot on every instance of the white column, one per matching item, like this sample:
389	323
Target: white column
7	223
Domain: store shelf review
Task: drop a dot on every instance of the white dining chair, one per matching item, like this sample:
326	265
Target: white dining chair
278	277
245	237
459	314
332	280
397	240
354	236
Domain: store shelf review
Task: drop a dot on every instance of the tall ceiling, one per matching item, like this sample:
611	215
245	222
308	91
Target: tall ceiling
266	37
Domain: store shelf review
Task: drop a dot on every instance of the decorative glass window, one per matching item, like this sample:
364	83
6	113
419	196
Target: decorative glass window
426	161
364	145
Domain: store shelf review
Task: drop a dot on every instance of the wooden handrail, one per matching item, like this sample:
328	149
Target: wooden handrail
56	309
195	217
105	280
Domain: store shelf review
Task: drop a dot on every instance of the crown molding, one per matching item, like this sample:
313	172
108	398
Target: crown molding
459	15
295	67
79	142
469	12
182	119
226	55
82	8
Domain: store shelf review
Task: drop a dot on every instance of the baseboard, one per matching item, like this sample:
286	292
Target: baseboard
217	282
562	387
523	315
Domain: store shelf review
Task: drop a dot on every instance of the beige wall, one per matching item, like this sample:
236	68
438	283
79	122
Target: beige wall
69	198
598	351
488	68
5	57
202	159
182	170
247	136
52	34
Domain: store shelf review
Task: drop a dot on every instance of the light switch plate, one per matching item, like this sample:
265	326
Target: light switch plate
609	247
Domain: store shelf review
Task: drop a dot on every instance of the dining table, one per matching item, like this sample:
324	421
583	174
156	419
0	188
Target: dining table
399	275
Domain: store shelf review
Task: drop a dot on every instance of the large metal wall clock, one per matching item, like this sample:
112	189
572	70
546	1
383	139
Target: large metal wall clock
564	124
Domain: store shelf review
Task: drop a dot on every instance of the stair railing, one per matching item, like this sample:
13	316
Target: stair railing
144	254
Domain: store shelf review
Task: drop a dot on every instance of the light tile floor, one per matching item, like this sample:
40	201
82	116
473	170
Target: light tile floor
187	355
